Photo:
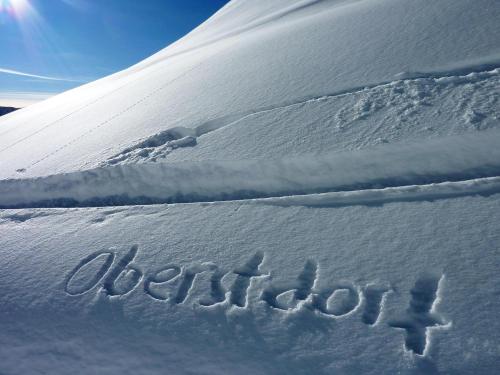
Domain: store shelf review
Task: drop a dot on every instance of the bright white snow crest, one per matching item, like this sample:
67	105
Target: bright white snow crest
295	187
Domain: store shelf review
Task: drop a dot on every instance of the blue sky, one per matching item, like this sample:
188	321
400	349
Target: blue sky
49	46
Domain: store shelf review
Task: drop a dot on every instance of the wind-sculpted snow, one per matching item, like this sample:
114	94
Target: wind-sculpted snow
434	161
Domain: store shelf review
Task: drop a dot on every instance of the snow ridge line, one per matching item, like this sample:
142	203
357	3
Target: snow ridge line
410	193
257	23
363	175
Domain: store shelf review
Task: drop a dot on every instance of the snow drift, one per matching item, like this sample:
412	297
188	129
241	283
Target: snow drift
434	161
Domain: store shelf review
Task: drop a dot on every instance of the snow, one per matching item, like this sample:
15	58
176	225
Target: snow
295	187
447	159
272	56
390	246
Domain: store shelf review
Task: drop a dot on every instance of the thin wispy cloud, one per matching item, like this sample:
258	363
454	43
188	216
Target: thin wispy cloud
22	99
24	74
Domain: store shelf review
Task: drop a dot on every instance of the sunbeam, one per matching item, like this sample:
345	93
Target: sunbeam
15	8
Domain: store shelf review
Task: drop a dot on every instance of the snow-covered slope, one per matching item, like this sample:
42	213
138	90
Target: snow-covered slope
277	57
295	187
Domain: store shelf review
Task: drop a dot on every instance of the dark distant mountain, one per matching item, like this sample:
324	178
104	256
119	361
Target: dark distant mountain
5	110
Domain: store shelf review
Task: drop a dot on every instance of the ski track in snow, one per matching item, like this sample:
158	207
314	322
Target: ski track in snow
101	124
410	193
435	169
24	193
417	86
265	20
161	144
367	197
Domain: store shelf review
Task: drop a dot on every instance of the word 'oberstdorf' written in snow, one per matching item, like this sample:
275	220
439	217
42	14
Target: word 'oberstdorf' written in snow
120	276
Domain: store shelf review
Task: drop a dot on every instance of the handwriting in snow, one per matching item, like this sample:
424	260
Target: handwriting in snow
119	276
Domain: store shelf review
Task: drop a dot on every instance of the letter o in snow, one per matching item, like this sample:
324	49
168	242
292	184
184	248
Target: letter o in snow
85	276
338	301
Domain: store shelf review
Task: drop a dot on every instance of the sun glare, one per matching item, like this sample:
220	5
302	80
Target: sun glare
16	8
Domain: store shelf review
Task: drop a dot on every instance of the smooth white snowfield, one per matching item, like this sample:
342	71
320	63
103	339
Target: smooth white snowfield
295	187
